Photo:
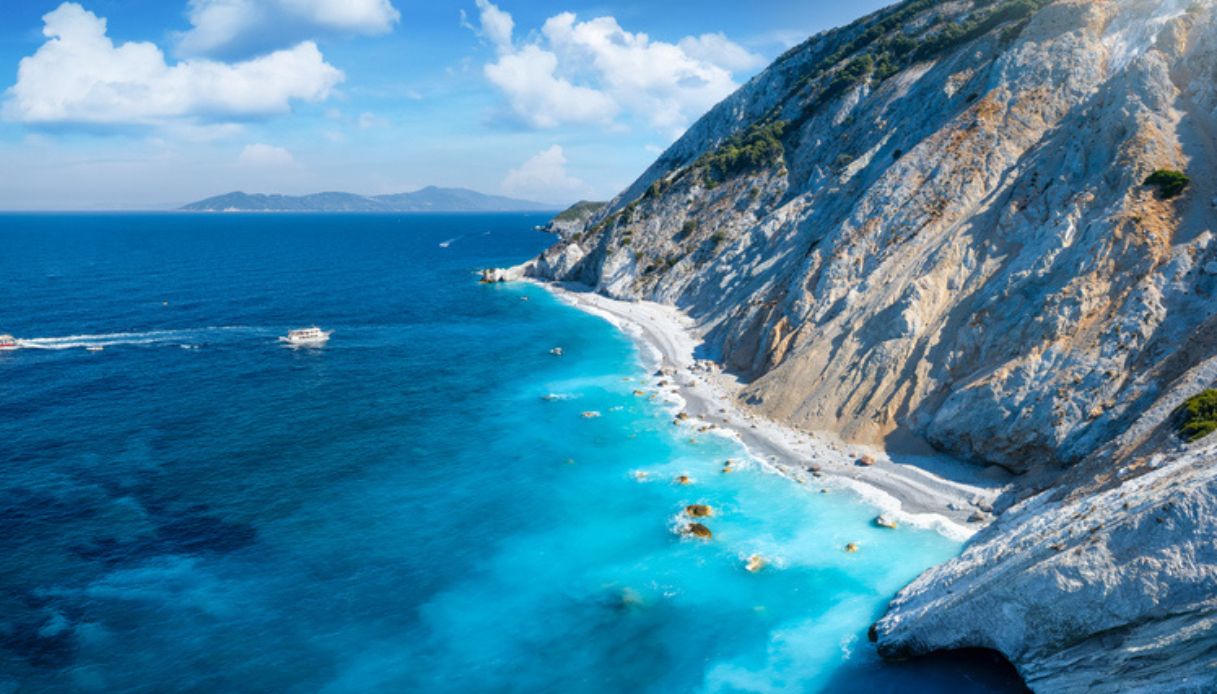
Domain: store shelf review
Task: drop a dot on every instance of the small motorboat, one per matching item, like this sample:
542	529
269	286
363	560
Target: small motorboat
8	342
307	336
94	348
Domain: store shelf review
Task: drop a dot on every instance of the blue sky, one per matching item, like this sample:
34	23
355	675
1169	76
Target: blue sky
129	104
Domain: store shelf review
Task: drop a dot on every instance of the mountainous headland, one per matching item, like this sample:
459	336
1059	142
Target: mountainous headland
429	199
985	226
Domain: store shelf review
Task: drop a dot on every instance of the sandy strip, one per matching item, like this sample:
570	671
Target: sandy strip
942	500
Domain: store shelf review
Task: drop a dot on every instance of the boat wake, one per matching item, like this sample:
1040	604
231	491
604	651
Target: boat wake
187	338
445	244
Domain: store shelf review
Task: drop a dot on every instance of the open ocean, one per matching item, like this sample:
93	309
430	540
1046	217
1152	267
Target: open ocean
198	508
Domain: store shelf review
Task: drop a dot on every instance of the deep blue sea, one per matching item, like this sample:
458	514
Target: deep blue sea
198	508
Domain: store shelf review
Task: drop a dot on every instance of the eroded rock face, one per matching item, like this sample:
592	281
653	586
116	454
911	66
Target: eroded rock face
1110	590
963	247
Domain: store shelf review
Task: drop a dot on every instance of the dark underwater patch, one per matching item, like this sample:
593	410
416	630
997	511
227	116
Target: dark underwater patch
42	649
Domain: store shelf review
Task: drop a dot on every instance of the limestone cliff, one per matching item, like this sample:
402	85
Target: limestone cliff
934	220
937	221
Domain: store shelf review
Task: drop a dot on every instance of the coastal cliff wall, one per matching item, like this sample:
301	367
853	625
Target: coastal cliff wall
989	224
953	240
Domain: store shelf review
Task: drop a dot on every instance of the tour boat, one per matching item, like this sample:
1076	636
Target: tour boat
307	336
8	342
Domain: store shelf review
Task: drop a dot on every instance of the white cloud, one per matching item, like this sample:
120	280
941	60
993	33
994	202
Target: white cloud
717	49
542	99
595	71
265	156
497	25
234	27
80	76
543	177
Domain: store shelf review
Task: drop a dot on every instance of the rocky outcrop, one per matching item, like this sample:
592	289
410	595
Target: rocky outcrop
573	219
936	221
1110	590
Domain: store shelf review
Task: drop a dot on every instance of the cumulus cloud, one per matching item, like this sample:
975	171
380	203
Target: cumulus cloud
79	76
230	28
595	71
544	177
265	156
541	98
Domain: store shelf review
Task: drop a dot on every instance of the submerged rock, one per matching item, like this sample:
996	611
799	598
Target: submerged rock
755	563
851	547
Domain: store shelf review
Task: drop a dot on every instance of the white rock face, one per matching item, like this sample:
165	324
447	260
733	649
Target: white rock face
1114	590
954	238
964	249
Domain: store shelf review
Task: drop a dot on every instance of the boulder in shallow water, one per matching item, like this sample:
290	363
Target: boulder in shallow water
851	547
684	479
590	414
755	563
699	531
699	510
884	522
866	461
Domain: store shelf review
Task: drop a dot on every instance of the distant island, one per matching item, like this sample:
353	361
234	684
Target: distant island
429	199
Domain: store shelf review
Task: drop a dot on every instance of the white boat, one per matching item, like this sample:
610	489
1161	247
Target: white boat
94	348
307	336
8	342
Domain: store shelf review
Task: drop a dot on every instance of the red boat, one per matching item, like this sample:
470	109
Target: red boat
8	342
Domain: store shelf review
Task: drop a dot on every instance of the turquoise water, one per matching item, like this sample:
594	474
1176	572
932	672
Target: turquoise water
197	508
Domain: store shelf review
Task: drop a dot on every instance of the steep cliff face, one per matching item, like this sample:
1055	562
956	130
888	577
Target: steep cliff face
935	220
968	220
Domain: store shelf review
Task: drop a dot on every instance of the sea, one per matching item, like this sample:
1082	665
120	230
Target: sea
420	505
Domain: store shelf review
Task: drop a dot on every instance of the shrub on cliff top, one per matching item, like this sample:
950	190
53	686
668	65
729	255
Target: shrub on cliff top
1169	183
1197	415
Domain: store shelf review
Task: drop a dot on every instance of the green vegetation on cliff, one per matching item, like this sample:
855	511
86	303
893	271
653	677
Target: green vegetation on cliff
1197	416
755	148
579	211
1169	183
875	53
